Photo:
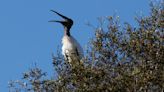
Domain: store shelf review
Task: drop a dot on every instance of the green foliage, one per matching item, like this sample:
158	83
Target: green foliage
118	59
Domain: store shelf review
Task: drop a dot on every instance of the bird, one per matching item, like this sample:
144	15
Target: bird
71	49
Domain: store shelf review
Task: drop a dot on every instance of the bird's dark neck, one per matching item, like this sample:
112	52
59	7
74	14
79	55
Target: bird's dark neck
67	31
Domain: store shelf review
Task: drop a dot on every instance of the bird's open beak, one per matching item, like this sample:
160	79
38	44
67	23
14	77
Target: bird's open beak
67	22
64	17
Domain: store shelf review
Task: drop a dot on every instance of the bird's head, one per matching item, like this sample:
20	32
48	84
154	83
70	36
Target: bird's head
67	22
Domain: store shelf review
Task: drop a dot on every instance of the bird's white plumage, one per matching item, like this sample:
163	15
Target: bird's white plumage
71	47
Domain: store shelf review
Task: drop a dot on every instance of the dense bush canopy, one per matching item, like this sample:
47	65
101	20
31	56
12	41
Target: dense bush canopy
118	59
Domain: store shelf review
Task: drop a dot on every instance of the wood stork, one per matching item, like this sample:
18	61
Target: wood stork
70	47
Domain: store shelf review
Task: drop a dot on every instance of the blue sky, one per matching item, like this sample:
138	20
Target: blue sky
26	36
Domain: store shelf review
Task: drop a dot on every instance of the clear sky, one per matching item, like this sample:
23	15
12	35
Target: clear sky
27	37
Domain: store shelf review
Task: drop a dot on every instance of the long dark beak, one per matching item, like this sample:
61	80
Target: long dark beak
67	22
55	21
64	17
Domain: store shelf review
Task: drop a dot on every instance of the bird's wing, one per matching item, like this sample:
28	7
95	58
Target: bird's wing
78	48
77	53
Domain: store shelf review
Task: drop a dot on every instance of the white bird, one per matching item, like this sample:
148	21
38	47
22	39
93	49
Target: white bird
70	47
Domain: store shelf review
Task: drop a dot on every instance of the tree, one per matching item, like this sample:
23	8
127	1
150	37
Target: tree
118	59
